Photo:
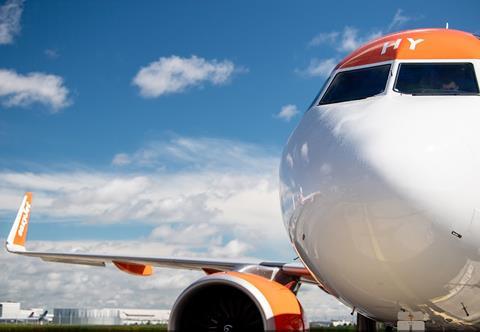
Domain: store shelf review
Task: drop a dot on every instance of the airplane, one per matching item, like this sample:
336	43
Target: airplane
380	196
31	318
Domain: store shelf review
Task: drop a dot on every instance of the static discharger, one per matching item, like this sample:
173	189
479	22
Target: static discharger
457	234
465	309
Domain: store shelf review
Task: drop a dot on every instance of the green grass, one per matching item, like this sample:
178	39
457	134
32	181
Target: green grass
80	328
131	328
339	329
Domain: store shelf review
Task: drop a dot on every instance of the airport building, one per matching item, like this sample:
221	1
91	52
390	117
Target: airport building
11	312
108	316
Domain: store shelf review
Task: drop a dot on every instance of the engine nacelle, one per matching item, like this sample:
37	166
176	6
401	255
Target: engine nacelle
235	301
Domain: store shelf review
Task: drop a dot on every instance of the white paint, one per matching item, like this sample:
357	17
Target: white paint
414	43
406	174
24	219
394	44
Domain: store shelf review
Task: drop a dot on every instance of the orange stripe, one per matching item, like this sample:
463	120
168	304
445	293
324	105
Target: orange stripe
436	44
287	311
22	229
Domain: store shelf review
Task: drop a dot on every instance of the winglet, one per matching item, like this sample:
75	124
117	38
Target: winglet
18	233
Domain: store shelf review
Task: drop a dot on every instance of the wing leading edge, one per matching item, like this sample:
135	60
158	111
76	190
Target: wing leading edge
139	265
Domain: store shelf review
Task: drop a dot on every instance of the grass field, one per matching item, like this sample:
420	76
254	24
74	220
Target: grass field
79	328
142	328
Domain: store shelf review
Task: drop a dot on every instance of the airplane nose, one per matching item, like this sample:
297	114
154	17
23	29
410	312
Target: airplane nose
427	153
371	192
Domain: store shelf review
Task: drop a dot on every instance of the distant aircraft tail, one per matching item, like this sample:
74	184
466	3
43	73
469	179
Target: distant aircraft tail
42	316
18	233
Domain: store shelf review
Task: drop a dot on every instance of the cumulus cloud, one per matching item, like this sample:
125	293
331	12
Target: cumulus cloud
202	234
350	40
200	152
324	37
121	159
233	248
24	90
399	19
36	283
10	14
175	74
287	112
346	40
319	67
350	37
228	184
220	201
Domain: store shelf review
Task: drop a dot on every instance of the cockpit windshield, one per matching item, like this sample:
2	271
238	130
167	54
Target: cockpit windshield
356	84
436	79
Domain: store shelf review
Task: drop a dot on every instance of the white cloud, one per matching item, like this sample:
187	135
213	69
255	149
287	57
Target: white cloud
234	248
229	184
121	159
320	67
219	208
399	19
288	112
24	90
39	284
351	40
221	200
324	37
202	234
10	14
36	283
51	53
175	74
347	40
201	152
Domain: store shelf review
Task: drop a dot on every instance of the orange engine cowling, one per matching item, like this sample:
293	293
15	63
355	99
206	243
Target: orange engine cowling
235	301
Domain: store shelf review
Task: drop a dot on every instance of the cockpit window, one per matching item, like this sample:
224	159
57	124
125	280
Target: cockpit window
319	93
356	84
436	79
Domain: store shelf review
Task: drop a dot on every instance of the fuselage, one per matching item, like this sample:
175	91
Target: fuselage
381	197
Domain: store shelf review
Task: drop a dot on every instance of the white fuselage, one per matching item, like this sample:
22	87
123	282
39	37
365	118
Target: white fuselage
381	200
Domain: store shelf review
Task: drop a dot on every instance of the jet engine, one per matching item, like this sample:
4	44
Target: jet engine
237	301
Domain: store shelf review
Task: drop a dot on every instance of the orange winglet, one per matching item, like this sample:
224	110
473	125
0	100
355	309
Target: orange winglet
136	269
18	233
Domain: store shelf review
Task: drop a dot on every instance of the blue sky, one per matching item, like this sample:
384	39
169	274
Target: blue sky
100	46
160	121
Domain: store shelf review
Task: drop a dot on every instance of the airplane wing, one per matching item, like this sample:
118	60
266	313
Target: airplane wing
140	265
